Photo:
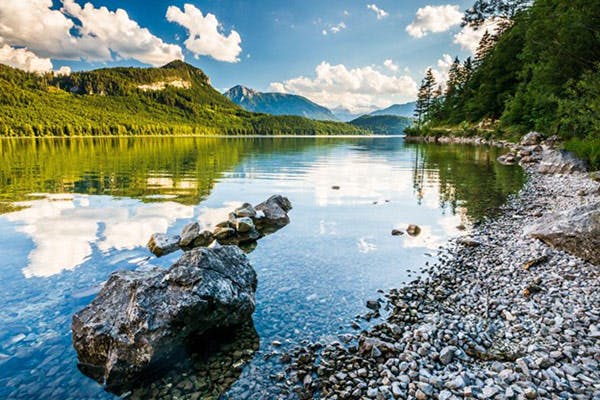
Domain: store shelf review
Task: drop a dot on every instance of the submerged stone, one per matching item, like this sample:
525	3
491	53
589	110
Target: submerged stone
413	230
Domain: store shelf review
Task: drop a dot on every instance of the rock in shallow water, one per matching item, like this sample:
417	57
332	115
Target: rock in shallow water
274	211
141	317
413	230
189	233
162	244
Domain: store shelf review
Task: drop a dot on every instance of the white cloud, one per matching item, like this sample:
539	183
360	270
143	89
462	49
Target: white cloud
205	37
75	32
434	19
381	14
358	90
24	59
337	28
63	71
389	64
440	72
333	29
468	38
114	31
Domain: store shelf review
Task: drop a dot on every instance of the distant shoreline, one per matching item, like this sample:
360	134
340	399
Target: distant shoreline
205	136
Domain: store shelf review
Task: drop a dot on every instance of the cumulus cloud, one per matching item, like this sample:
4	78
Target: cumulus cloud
434	19
389	64
205	36
358	89
381	14
24	59
63	71
115	32
74	32
469	37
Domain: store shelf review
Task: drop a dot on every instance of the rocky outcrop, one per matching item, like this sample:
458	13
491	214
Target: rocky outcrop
576	231
245	225
140	318
559	162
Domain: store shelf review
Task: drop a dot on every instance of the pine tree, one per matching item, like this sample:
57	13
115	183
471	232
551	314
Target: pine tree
486	44
425	98
499	9
454	78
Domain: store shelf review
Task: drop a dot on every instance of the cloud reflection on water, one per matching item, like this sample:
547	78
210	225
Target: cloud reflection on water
65	228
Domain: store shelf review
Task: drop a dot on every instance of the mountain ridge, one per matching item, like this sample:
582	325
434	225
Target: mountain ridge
278	103
399	110
383	124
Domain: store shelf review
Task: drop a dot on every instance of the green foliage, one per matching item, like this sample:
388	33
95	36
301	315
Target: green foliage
587	149
541	73
425	98
120	101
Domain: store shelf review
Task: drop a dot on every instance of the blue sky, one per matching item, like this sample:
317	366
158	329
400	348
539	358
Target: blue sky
355	54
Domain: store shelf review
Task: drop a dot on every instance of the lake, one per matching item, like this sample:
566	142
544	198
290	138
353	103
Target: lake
73	211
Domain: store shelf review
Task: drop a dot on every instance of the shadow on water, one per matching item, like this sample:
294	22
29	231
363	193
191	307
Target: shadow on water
205	368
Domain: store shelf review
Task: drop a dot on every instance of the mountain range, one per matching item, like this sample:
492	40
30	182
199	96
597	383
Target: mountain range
277	103
174	99
291	104
400	110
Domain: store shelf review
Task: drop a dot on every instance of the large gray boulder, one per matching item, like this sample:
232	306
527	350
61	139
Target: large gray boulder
560	162
141	317
576	231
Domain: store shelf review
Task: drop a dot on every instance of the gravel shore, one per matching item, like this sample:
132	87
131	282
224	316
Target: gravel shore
499	316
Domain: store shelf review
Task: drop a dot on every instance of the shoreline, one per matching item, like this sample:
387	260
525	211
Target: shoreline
498	316
202	136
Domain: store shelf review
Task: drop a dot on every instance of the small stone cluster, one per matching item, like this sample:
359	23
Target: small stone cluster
245	225
533	150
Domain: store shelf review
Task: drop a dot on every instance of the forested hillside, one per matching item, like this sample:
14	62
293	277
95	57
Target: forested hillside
383	124
540	71
174	99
